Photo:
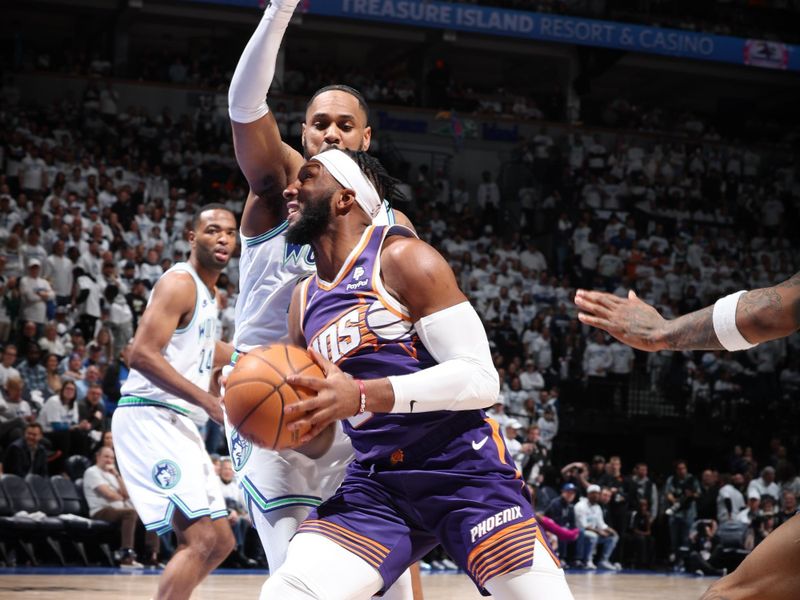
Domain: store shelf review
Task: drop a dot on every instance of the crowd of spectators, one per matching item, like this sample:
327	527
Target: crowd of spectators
94	205
704	524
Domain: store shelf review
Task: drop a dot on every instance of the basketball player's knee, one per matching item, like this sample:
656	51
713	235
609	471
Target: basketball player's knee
212	544
225	543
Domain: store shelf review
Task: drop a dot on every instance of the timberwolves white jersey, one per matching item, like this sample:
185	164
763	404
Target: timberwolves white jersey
190	351
269	268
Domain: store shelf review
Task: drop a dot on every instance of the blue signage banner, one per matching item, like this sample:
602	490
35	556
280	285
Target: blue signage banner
557	28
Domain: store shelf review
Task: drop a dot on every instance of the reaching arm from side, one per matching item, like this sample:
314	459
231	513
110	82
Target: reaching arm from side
267	163
173	300
759	315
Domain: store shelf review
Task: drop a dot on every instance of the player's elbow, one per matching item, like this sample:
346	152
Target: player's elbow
763	326
138	358
268	186
491	384
484	388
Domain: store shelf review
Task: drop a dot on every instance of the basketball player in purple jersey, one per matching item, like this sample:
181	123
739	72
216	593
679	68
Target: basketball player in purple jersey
408	369
280	486
736	322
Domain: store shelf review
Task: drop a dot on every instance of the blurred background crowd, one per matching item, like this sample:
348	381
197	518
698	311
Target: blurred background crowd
624	193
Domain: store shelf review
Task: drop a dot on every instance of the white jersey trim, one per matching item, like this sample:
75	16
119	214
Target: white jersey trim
264	237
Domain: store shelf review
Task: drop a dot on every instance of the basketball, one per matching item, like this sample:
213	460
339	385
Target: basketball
257	392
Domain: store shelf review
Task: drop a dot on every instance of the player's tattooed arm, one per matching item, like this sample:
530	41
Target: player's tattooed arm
770	313
694	331
638	324
762	315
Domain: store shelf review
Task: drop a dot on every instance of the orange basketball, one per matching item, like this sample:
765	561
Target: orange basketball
257	392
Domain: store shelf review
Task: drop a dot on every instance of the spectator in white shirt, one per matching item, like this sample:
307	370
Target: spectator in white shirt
35	292
532	258
597	358
32	173
765	485
531	379
751	511
92	262
514	446
108	500
548	427
32	248
610	265
59	271
730	500
12	404
597	361
151	270
51	342
7	369
589	518
88	301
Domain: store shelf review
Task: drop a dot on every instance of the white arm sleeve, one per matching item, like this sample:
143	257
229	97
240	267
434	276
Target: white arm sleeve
247	96
464	379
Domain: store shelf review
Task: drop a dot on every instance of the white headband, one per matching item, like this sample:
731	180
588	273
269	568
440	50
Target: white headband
345	170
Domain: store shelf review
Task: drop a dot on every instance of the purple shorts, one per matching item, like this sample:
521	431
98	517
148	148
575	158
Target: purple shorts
466	495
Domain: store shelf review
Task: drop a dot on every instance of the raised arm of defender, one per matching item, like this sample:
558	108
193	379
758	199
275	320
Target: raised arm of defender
447	325
734	322
265	160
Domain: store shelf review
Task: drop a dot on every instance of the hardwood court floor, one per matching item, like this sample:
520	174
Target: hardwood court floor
127	586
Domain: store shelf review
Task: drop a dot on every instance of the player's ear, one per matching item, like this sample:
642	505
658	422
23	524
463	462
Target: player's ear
346	200
303	135
367	138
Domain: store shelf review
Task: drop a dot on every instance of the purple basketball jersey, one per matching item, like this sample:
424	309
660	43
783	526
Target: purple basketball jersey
356	324
418	480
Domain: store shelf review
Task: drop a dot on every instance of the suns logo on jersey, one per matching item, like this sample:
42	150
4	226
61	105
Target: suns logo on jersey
362	326
345	335
296	253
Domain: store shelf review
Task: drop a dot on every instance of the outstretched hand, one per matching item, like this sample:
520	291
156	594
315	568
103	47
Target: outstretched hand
337	397
630	320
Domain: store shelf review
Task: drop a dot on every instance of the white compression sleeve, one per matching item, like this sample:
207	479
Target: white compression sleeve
464	379
256	68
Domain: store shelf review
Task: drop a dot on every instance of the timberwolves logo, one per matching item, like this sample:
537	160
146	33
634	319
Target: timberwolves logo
240	450
166	474
295	253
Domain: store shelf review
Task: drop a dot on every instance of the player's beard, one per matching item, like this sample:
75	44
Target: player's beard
313	221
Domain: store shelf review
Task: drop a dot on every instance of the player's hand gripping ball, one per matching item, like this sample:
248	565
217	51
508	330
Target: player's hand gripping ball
256	393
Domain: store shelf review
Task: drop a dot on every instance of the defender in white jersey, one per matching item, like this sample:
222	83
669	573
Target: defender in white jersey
161	454
283	486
